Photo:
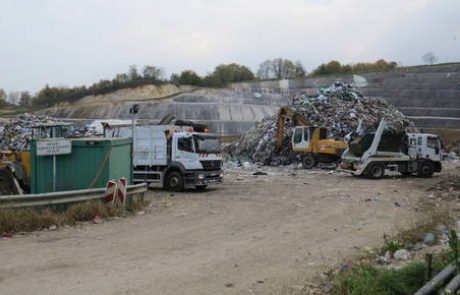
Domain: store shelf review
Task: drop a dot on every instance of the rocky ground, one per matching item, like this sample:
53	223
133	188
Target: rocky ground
255	234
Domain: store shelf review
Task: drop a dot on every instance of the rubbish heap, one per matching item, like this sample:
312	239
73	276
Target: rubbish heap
16	134
339	108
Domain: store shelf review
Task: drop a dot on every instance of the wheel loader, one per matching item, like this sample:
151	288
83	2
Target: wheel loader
311	143
15	166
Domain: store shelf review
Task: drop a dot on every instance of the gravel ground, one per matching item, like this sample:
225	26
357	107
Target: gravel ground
251	235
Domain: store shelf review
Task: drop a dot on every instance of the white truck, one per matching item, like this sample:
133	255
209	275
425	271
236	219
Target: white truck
176	157
407	153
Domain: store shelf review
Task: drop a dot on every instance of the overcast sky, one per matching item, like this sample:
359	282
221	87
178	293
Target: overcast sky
70	42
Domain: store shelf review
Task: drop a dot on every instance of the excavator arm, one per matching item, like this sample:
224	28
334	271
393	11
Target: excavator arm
284	115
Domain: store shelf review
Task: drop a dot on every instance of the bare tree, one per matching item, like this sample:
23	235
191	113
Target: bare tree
279	69
152	72
429	58
25	99
13	97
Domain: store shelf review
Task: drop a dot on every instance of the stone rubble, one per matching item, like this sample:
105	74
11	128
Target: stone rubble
338	108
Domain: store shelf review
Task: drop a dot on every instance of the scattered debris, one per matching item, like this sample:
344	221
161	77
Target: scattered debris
16	133
401	254
97	219
429	239
260	173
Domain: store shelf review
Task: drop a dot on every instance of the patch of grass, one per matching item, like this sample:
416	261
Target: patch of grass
427	223
26	220
365	279
391	245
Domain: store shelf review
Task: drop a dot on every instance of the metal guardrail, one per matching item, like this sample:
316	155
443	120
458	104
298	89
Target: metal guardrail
445	278
65	197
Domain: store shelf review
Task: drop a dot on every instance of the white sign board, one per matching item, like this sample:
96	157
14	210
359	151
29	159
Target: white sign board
53	147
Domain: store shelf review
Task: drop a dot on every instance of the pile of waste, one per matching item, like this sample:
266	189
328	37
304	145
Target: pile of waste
16	133
339	108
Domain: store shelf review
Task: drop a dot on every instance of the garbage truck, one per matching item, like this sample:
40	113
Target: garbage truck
174	156
374	153
311	143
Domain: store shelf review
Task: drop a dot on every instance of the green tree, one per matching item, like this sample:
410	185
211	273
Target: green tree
225	74
189	77
335	67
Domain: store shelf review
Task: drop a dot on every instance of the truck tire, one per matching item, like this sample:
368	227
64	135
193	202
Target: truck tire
175	181
375	171
425	170
6	182
308	162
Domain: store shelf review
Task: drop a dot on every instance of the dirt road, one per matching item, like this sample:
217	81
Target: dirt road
252	235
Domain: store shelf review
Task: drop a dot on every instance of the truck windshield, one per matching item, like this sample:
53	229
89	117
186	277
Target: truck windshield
206	144
433	142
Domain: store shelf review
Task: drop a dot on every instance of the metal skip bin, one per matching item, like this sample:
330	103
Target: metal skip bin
73	164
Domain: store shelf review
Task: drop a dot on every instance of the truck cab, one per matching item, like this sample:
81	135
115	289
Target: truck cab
424	146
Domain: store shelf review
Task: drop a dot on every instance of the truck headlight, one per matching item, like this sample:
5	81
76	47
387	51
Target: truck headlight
201	176
221	174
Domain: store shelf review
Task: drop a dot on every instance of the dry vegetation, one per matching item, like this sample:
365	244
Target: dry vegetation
26	220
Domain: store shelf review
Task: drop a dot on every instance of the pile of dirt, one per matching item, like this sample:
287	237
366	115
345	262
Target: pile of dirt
339	108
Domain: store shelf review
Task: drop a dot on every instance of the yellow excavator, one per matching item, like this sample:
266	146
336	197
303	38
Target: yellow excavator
311	143
15	166
14	172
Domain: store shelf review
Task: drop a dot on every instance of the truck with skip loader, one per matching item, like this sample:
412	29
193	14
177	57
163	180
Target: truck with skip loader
376	152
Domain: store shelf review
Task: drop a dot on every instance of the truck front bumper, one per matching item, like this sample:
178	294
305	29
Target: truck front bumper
204	178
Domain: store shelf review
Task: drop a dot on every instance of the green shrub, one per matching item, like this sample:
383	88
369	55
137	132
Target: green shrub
365	279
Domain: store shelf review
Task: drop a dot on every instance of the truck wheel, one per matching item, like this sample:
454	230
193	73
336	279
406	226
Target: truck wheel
175	181
308	162
376	171
6	182
425	170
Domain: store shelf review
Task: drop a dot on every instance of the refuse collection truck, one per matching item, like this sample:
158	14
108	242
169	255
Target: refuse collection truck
374	153
176	157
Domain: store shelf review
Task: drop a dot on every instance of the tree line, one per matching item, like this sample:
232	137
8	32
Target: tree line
222	75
